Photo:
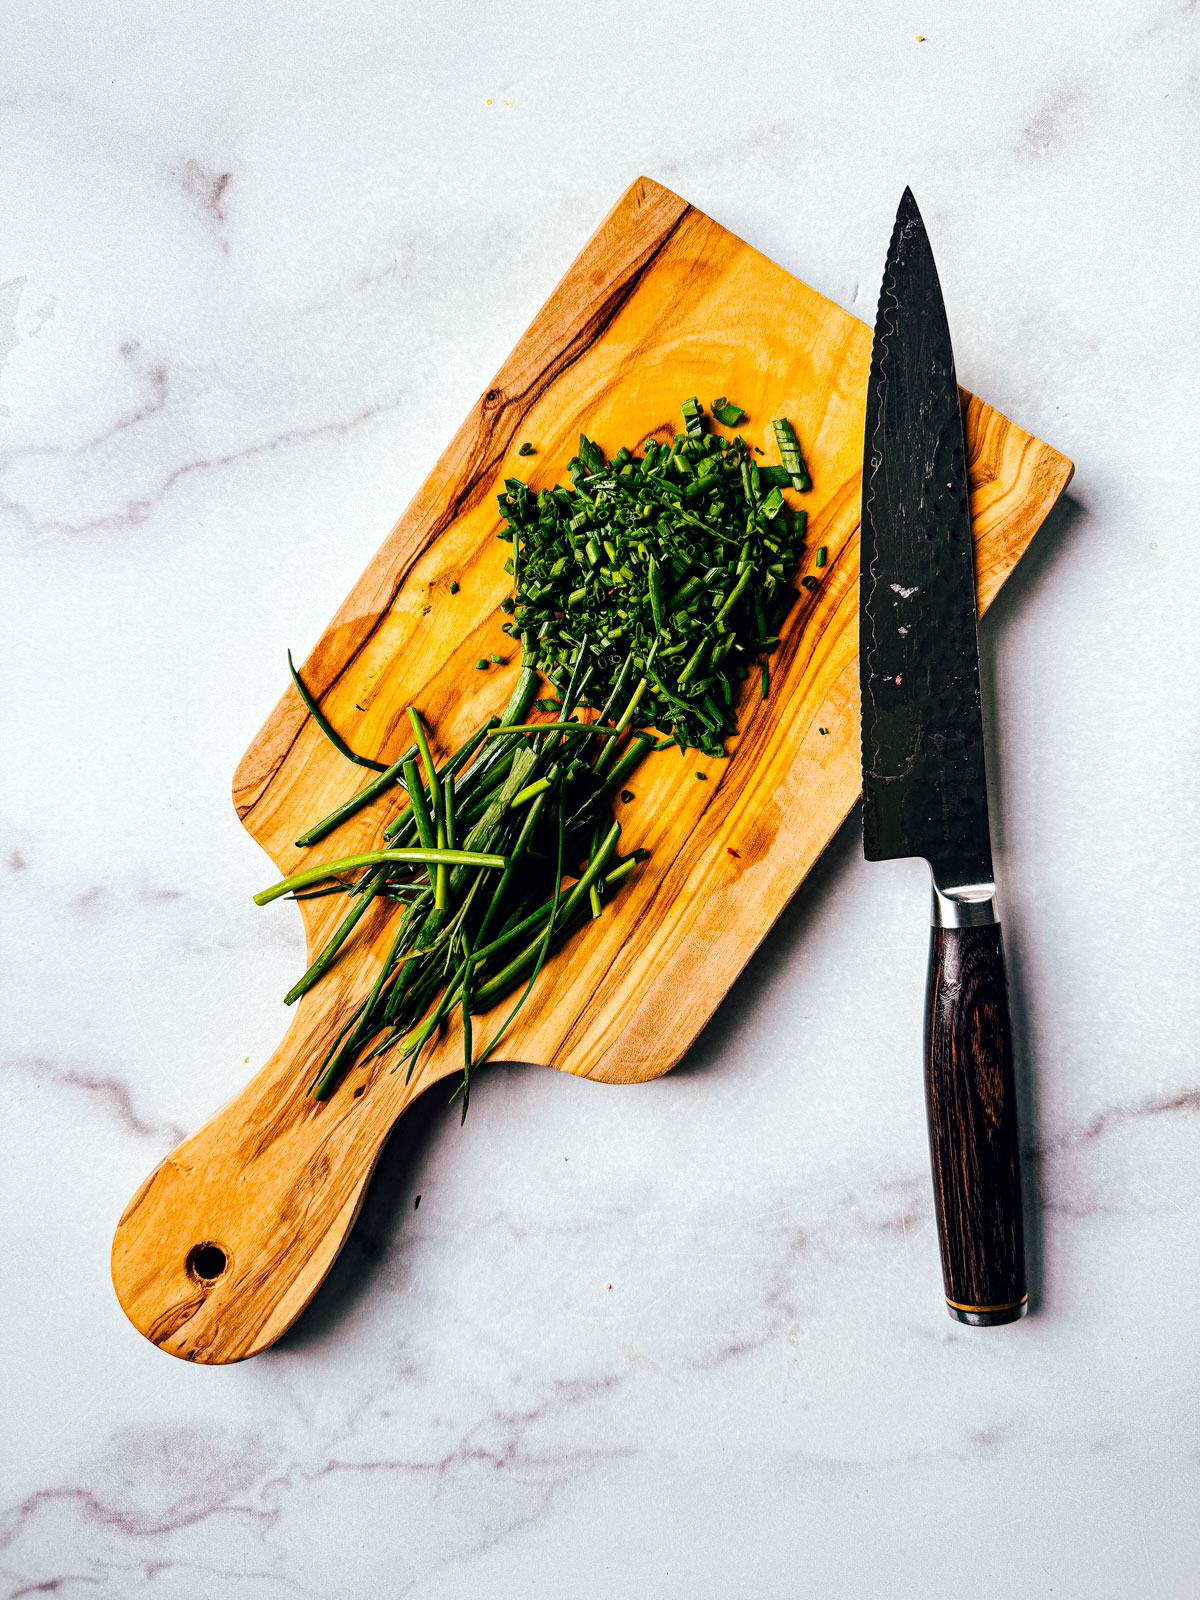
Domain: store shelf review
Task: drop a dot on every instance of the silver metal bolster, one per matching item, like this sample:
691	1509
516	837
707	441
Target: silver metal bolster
970	905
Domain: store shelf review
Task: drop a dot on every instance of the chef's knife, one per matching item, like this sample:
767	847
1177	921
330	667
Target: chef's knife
924	792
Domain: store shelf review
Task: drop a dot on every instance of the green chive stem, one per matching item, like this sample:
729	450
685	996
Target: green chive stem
373	858
326	727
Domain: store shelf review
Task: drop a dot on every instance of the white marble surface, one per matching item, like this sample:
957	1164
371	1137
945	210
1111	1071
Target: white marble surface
257	261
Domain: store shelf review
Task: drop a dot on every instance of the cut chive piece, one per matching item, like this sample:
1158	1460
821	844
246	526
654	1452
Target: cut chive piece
454	587
693	418
822	556
789	454
481	664
526	449
726	413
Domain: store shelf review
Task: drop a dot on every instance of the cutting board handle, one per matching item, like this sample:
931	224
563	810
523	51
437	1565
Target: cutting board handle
973	1140
230	1236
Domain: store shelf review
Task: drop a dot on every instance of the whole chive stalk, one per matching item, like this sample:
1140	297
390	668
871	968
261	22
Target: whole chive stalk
601	730
374	858
420	814
436	806
322	722
377	786
328	955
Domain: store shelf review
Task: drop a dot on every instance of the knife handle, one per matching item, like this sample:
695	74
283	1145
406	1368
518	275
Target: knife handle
971	1104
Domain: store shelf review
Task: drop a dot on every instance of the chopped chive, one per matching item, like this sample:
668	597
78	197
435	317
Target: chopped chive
481	664
702	776
509	605
526	449
789	453
626	795
499	660
821	556
726	413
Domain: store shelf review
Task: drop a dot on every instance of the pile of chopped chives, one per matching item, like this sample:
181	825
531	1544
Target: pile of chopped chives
646	592
678	560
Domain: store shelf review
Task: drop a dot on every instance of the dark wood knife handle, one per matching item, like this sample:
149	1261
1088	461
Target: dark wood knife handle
971	1103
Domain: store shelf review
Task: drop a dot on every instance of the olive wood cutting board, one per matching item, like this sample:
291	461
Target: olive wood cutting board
229	1237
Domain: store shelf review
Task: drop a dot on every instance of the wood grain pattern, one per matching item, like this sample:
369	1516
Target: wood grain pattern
661	303
971	1102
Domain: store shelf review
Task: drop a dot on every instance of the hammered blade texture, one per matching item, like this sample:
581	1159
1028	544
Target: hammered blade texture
924	789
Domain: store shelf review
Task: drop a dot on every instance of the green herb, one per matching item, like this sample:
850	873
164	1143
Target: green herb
454	587
678	560
603	729
644	591
822	730
822	556
481	664
789	454
356	802
319	718
810	582
371	858
727	413
526	449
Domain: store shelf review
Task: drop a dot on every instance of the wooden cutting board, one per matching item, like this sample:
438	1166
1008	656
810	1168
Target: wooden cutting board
227	1240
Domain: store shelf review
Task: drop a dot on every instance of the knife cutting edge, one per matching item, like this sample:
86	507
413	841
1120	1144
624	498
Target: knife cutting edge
924	788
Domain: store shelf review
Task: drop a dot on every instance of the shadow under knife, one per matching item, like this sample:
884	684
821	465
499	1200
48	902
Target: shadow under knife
1047	548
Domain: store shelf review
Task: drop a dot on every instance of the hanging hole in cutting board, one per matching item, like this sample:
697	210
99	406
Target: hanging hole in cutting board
206	1262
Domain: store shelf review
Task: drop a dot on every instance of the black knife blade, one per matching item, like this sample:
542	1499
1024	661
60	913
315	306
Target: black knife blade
924	784
924	788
